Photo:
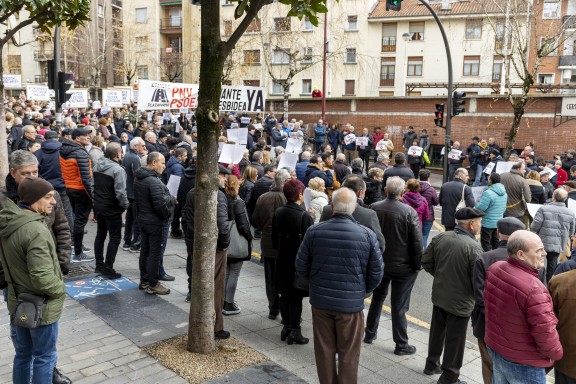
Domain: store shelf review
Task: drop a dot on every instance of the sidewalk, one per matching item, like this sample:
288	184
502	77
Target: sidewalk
101	337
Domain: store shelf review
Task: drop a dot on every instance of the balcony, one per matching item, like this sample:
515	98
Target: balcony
43	56
170	2
117	3
387	82
389	44
567	61
170	57
40	79
171	25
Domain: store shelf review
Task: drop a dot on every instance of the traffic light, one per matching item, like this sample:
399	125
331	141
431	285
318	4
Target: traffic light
439	115
393	5
64	84
50	73
457	102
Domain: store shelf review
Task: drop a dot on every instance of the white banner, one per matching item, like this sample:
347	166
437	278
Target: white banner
242	99
78	98
362	141
454	154
349	138
154	95
12	81
37	92
238	135
415	151
112	98
126	94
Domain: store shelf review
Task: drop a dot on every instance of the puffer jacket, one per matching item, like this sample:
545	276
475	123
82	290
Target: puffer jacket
419	203
29	250
373	191
538	192
110	196
520	320
49	164
174	167
187	182
493	204
429	193
301	169
518	192
155	204
245	191
317	202
341	260
554	223
76	167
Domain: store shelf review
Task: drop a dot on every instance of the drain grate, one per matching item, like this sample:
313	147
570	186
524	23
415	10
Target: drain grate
78	271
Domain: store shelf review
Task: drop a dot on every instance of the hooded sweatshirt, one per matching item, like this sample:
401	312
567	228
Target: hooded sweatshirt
49	164
419	203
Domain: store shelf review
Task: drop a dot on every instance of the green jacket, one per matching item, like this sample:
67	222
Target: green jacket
450	259
29	250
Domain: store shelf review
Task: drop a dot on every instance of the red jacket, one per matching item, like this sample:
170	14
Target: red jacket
377	138
520	319
562	177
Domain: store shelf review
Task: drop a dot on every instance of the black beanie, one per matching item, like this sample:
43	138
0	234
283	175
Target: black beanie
31	190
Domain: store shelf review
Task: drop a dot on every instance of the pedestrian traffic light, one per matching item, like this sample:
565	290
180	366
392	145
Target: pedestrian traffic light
64	84
439	115
393	5
457	102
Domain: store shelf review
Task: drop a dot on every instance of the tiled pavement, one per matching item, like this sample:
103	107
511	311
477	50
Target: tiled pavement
100	338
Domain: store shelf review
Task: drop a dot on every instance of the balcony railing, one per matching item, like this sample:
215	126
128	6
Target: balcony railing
496	77
171	23
117	3
43	56
173	56
568	60
40	79
389	44
569	21
387	82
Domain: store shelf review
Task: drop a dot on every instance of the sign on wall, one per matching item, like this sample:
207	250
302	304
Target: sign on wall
12	81
569	106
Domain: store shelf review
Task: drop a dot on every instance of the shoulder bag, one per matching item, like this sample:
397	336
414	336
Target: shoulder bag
300	282
238	248
462	203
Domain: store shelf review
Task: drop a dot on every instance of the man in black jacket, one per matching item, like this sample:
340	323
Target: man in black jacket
399	169
451	194
316	168
222	244
110	201
131	164
261	186
400	226
155	206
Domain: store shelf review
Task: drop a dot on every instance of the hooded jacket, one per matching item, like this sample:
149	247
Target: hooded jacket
317	202
76	167
29	251
49	164
154	201
174	167
419	203
110	196
493	204
312	171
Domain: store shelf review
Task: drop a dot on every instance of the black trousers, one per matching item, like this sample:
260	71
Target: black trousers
291	310
151	248
189	240
81	206
366	159
107	224
552	259
489	238
176	220
415	169
452	343
131	228
400	300
561	378
273	297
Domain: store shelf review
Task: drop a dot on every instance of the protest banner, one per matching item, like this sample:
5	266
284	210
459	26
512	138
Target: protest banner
231	153
382	145
37	92
454	154
477	192
504	166
533	208
288	160
155	95
238	135
78	98
111	98
173	184
349	138
126	94
12	81
489	168
96	104
362	141
415	151
245	120
242	99
294	145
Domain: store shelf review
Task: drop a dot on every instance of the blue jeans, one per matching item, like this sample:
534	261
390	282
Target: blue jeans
479	174
426	227
508	372
35	353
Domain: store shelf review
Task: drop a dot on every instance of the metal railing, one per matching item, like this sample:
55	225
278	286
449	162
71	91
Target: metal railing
171	23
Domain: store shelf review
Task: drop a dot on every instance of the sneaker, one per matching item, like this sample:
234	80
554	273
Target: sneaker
407	350
134	249
435	371
221	335
85	249
230	309
188	297
126	247
157	289
82	257
110	274
143	285
167	277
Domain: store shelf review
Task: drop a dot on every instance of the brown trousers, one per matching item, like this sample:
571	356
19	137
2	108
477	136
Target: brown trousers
486	362
350	155
219	286
337	333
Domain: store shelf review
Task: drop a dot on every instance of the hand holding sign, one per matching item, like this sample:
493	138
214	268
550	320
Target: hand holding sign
349	138
415	151
454	154
362	142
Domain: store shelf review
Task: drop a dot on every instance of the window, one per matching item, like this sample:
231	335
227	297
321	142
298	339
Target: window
417	30
545	78
471	65
389	38
307	55
350	56
497	69
349	87
227	27
281	24
551	9
280	56
549	46
306	86
175	43
252	57
15	70
100	10
473	29
568	76
352	23
308	26
277	88
142	71
415	66
254	26
251	83
499	36
141	43
141	15
387	72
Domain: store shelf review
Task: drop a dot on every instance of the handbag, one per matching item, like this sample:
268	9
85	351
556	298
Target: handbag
238	248
29	307
462	203
300	282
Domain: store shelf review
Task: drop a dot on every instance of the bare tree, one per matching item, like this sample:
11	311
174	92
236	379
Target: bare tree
136	47
172	65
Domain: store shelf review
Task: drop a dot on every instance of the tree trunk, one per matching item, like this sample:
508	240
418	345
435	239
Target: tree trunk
286	94
518	113
201	327
3	127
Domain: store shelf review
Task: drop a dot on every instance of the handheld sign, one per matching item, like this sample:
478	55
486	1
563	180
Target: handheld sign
415	151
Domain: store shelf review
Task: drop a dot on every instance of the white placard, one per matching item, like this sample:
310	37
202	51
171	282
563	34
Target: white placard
489	168
220	146
242	99
294	145
234	126
96	104
245	120
443	151
189	116
415	151
362	141
307	198
349	138
454	154
126	94
533	208
78	98
504	166
290	126
259	126
37	92
569	106
12	81
184	110
382	145
477	192
549	172
293	135
155	95
231	153
238	135
288	160
111	98
572	205
173	184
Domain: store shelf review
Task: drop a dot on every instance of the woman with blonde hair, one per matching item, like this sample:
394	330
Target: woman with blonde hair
249	177
536	187
318	197
266	158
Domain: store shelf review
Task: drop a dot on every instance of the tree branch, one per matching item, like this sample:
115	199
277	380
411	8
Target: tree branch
251	13
11	32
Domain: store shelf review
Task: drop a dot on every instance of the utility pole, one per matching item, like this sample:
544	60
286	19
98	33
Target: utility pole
324	68
57	97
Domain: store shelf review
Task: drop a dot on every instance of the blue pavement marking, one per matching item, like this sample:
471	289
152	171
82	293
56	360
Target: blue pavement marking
95	286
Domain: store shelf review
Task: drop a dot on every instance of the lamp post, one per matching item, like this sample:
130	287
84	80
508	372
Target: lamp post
407	37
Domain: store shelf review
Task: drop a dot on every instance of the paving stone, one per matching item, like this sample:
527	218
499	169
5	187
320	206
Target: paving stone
101	367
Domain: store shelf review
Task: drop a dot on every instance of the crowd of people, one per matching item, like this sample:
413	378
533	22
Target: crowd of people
342	225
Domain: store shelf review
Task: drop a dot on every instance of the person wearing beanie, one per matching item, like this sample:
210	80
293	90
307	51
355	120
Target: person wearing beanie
29	257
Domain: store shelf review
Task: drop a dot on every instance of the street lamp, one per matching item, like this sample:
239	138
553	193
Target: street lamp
407	37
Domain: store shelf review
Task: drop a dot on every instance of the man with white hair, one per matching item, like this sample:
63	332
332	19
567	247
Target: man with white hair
341	260
28	136
151	142
131	163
